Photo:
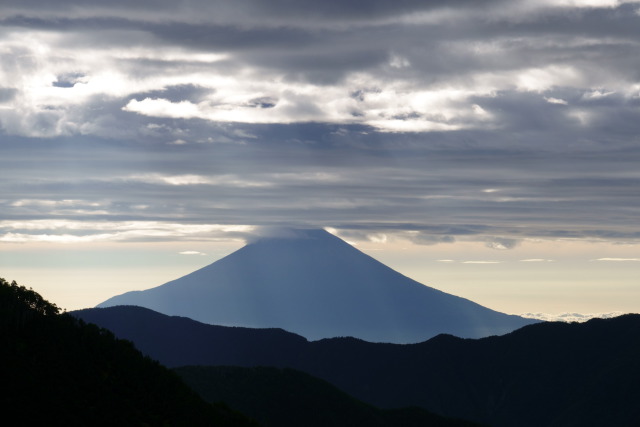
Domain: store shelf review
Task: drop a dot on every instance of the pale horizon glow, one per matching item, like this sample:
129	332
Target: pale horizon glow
570	283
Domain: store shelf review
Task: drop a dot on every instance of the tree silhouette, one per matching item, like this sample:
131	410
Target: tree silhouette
59	370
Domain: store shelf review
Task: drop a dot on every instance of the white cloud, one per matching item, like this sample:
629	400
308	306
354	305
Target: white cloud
597	94
618	259
164	108
552	100
394	109
181	180
496	245
173	179
55	203
570	317
502	243
67	231
584	117
399	62
104	74
191	253
482	262
540	79
377	238
586	3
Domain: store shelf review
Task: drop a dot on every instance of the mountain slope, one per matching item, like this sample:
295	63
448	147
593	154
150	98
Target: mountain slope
288	398
547	374
318	286
179	341
57	370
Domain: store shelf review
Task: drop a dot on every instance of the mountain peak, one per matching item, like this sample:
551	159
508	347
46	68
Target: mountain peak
290	233
312	283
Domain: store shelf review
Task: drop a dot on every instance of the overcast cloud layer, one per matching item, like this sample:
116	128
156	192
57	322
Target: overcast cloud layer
491	121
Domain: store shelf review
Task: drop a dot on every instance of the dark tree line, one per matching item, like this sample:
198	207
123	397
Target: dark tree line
58	370
19	305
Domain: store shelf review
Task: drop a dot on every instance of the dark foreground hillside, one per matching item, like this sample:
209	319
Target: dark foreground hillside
288	398
58	370
548	374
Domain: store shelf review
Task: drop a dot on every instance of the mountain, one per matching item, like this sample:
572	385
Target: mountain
58	370
180	341
314	284
546	374
289	398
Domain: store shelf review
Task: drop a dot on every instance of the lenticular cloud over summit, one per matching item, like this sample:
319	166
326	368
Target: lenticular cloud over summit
316	285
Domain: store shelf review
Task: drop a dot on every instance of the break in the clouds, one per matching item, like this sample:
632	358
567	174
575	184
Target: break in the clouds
434	121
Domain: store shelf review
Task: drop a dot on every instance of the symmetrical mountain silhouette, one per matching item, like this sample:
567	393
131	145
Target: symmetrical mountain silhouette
547	374
314	284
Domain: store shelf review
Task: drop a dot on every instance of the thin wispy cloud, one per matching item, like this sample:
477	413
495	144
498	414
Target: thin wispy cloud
570	317
481	262
86	231
192	253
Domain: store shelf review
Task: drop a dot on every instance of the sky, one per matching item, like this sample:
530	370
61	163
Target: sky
486	148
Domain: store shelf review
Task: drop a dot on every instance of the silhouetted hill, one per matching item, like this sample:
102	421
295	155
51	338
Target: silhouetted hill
58	370
289	398
547	374
316	285
179	341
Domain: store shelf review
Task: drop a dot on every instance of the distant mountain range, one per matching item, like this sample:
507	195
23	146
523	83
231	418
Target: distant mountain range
547	374
314	284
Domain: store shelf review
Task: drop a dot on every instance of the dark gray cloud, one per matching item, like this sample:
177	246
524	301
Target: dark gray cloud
598	41
177	93
287	9
277	180
7	94
439	121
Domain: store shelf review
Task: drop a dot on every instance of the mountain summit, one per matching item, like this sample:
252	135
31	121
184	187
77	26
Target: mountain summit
314	284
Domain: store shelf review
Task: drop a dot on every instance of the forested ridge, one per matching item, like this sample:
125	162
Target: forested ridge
548	374
58	370
289	398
